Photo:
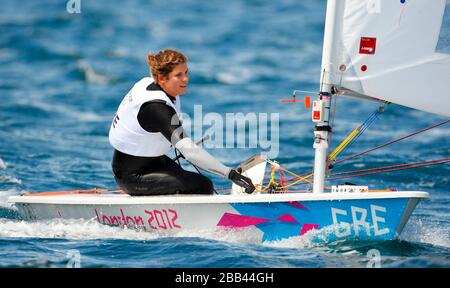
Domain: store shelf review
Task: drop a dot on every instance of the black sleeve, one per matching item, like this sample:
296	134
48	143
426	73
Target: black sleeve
155	116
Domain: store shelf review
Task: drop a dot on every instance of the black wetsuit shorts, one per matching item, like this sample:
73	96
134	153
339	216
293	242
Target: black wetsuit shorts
142	176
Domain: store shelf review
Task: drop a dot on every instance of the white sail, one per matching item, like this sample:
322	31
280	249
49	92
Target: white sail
388	50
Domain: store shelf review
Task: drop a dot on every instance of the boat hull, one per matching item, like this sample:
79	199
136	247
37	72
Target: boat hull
269	217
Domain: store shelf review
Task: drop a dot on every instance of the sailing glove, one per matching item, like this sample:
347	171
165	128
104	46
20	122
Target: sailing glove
242	181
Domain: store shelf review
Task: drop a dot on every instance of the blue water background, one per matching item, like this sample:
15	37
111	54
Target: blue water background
63	75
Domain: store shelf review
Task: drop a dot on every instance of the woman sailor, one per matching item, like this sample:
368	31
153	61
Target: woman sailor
147	125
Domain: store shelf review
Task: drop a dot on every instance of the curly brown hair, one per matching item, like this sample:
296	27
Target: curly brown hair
163	62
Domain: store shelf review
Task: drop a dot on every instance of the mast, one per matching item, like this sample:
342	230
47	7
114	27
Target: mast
333	26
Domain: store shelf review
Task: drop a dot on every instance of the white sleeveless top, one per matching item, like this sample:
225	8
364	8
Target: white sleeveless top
125	133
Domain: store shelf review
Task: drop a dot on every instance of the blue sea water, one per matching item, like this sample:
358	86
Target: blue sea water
62	76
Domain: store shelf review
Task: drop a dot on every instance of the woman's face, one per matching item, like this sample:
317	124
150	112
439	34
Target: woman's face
176	82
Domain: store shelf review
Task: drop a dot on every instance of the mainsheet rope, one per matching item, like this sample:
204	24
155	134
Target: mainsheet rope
310	174
282	186
347	174
390	142
303	178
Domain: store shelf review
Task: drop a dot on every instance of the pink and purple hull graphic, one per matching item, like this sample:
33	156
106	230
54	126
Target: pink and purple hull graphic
361	219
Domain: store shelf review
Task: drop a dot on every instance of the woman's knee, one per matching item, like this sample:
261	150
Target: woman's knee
166	184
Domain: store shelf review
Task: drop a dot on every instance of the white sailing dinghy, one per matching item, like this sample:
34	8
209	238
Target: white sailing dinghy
383	50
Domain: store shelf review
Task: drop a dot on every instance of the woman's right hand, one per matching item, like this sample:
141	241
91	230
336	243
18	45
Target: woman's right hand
242	181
